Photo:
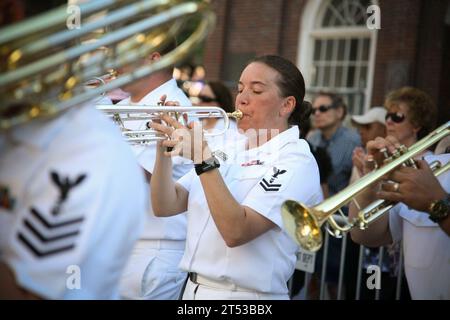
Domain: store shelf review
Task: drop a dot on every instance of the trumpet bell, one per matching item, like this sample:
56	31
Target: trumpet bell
301	225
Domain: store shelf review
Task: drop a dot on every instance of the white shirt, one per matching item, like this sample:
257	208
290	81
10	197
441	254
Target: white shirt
426	246
261	178
170	228
48	231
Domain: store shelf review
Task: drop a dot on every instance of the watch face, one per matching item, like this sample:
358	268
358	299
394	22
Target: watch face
441	210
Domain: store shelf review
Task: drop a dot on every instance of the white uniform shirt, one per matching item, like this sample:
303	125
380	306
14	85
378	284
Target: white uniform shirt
261	178
170	228
73	196
231	136
426	246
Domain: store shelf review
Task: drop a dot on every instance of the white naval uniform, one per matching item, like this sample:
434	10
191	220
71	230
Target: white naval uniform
426	247
260	178
152	272
73	198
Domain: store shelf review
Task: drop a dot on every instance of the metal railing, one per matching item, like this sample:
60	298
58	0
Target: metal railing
343	289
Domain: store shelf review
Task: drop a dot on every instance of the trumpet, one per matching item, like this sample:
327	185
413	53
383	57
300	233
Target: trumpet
303	224
121	114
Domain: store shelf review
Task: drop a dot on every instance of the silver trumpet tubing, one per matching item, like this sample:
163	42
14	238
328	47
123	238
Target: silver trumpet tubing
46	65
121	114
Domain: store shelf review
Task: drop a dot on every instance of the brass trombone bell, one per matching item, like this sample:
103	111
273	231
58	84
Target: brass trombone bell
303	223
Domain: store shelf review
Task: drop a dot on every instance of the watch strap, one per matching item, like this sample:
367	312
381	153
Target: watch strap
207	165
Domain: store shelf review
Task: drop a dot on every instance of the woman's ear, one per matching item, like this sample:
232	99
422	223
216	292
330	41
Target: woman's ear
288	106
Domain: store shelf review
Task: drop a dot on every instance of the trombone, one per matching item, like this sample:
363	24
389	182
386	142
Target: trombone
303	223
121	114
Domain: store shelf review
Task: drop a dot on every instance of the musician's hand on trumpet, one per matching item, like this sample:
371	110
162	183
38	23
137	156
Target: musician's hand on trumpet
417	188
183	140
378	151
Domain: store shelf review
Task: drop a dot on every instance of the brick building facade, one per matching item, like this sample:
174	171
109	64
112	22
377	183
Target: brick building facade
411	48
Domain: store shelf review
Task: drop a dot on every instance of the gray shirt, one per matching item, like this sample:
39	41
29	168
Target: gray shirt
340	148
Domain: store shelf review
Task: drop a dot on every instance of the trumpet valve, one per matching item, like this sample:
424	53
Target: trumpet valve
385	153
387	157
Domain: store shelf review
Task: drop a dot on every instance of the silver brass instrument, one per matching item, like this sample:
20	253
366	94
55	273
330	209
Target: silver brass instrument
43	70
120	114
303	224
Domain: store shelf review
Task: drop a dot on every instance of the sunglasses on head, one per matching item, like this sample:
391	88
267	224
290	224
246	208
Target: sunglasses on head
322	109
396	117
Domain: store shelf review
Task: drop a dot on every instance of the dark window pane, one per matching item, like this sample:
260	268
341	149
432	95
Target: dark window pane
351	77
353	49
317	48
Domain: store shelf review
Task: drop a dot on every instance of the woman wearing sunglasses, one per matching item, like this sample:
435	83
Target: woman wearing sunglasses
411	115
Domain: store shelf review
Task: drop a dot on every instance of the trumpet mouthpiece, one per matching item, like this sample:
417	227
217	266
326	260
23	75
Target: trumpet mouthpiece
236	114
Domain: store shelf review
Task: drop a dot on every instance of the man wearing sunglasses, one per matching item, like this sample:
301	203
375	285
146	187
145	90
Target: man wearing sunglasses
328	112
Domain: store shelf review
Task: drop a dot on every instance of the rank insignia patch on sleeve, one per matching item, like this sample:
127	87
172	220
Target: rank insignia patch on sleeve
272	183
48	234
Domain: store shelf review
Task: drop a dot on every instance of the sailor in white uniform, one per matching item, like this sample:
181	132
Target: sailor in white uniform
152	272
72	203
237	247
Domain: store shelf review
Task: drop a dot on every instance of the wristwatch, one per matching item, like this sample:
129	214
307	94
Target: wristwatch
440	209
207	165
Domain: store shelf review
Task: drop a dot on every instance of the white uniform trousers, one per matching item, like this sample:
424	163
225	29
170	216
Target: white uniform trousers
152	271
207	289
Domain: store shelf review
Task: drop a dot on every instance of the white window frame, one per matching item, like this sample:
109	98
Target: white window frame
312	15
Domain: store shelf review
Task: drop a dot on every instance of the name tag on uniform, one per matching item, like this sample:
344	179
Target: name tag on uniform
305	260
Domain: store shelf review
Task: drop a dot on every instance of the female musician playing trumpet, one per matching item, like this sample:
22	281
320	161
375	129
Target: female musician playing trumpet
236	246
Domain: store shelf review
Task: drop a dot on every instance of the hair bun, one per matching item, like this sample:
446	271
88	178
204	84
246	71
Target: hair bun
301	113
306	108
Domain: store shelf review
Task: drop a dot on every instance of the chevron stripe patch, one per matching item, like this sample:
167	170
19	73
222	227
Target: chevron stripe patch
272	183
44	237
269	186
